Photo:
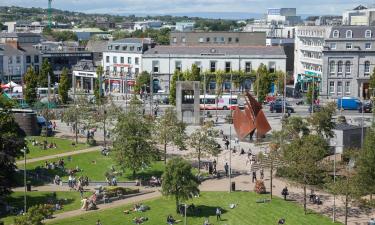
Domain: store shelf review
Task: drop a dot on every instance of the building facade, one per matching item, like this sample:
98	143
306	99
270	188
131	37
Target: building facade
162	61
359	16
349	60
185	26
84	76
122	62
218	38
308	54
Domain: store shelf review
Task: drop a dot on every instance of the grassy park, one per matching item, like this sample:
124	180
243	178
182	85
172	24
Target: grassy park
94	165
247	212
70	201
63	145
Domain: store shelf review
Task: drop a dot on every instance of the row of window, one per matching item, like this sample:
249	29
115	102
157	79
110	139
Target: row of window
16	60
348	68
213	66
312	55
124	48
313	67
336	88
120	70
350	45
208	40
36	59
312	43
122	60
311	33
349	34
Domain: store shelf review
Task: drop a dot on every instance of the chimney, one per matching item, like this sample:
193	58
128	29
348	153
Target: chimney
13	43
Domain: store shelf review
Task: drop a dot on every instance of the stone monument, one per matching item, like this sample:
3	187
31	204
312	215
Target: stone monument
187	101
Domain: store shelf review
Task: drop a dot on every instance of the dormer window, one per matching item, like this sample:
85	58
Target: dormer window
368	34
336	34
124	47
349	34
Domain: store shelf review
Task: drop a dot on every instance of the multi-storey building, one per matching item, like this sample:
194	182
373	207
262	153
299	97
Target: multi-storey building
308	54
218	38
348	59
359	16
122	62
287	16
162	61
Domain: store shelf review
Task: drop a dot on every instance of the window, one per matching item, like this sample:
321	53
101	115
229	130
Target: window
368	34
122	60
131	48
36	59
349	46
107	59
213	66
349	34
139	49
136	61
272	67
339	68
18	59
124	47
10	60
331	87
347	87
228	67
117	47
248	67
207	39
336	34
122	70
36	68
368	46
201	40
367	68
28	59
114	59
155	66
348	69
183	39
174	40
229	39
129	60
178	66
221	39
237	40
136	71
339	87
333	45
107	69
199	65
332	68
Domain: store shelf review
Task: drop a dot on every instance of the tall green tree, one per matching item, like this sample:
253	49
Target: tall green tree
263	82
97	88
64	86
133	146
372	83
177	76
203	140
302	158
143	80
322	121
194	74
31	83
43	75
179	181
168	129
12	141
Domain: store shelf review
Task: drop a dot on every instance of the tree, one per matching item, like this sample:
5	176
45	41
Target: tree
97	89
143	80
43	75
35	215
12	141
64	86
279	81
322	121
372	83
203	140
263	83
194	74
179	181
169	129
31	83
177	76
302	159
132	145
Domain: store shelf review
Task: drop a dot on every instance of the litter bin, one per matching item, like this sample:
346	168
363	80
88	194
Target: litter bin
233	186
28	187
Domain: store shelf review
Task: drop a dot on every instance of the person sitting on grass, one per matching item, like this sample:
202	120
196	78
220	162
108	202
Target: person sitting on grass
170	220
281	221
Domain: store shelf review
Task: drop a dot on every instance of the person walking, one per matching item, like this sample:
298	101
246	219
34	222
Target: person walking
218	214
285	192
98	222
214	165
261	174
226	168
227	143
254	176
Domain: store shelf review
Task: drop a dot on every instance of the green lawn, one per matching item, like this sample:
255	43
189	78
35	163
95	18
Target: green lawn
94	165
63	145
247	212
70	201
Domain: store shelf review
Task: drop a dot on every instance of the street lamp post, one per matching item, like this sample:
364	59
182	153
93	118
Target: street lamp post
230	159
185	214
105	133
24	150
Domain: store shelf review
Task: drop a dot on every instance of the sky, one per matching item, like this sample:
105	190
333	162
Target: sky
211	8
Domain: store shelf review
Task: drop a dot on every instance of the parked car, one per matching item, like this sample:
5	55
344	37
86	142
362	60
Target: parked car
278	107
316	108
367	107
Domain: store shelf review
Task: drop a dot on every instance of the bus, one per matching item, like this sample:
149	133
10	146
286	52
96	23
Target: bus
225	102
43	92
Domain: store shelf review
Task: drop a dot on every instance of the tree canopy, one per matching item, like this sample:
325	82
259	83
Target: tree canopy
31	84
64	86
43	75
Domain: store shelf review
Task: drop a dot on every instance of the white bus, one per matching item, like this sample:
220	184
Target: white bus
225	102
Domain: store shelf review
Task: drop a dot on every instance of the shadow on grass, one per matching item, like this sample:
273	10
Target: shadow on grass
39	176
203	211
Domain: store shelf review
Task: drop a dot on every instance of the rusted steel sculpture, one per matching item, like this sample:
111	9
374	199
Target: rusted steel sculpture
251	119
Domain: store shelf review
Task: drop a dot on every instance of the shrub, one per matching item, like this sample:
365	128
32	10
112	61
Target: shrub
116	191
260	188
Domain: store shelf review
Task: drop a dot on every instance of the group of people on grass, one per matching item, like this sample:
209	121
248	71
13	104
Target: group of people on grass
89	203
45	145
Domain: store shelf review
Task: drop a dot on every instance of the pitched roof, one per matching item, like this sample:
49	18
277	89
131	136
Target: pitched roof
217	50
134	41
357	31
96	46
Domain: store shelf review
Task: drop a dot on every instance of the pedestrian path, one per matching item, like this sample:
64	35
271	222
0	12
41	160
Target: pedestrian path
93	149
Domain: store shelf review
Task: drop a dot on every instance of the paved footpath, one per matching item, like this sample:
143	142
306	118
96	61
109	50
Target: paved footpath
80	212
93	149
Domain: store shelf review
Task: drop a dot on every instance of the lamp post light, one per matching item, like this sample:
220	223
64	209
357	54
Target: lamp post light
24	150
230	159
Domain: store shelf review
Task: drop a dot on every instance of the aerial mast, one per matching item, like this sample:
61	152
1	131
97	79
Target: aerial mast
49	14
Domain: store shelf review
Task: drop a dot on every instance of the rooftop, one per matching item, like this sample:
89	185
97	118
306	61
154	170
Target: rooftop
345	126
357	31
218	50
133	41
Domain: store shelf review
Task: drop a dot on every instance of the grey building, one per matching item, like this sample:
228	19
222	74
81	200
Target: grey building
218	38
348	61
97	47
